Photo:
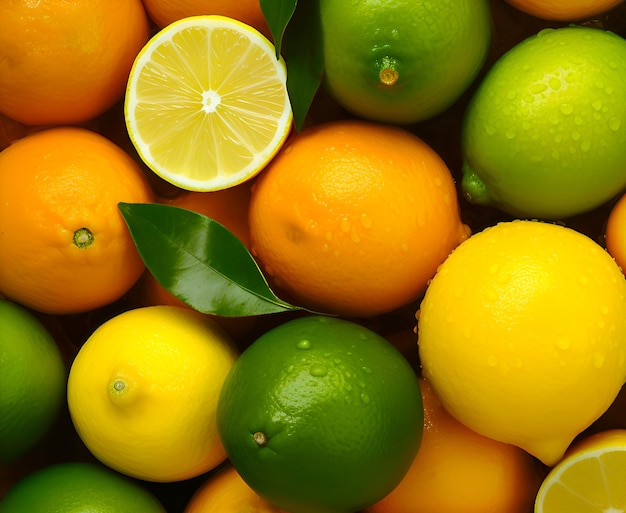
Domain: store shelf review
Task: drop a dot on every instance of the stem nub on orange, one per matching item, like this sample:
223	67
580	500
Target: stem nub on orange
64	246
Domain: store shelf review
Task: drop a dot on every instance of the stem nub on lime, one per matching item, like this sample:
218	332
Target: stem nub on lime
321	415
402	61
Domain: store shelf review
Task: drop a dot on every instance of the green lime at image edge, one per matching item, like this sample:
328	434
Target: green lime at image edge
32	381
321	415
544	134
402	62
78	487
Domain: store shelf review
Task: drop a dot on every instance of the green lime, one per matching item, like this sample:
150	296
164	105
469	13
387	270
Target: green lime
32	380
321	415
402	61
545	132
78	487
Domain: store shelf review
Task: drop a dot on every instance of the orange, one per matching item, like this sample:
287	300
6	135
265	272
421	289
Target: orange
66	61
615	232
226	492
64	246
564	10
228	207
459	471
164	12
353	217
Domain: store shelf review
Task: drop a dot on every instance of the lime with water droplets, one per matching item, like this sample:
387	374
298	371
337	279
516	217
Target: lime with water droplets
544	134
321	415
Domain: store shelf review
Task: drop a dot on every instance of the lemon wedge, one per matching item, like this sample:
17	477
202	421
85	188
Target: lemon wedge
206	103
590	478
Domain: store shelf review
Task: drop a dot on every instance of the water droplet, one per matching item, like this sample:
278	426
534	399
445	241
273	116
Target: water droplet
510	134
563	344
354	236
318	371
492	361
119	385
598	360
585	146
555	83
597	104
537	88
615	124
347	399
290	368
366	222
566	109
329	236
367	370
303	344
575	136
365	398
345	225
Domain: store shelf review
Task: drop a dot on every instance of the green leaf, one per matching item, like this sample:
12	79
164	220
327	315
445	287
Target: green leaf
277	14
200	261
304	58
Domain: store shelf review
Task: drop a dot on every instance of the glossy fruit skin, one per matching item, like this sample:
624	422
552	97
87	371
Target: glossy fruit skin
522	334
64	246
437	49
340	410
32	381
564	10
615	232
353	217
143	389
67	62
78	486
164	12
544	133
488	476
224	491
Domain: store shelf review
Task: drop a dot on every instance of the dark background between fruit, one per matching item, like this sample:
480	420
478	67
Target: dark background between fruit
443	133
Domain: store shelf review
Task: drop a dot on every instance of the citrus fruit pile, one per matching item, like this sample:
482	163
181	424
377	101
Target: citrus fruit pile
313	257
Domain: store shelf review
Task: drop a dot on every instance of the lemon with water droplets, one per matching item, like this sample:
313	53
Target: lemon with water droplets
544	134
522	334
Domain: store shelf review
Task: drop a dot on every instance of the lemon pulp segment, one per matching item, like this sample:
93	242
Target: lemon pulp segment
207	105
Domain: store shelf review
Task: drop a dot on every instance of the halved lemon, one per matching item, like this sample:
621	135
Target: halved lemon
206	103
589	478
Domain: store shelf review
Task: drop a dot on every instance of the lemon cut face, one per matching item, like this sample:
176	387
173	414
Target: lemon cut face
206	103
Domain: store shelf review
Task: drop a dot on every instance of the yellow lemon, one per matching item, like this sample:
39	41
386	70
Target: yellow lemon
589	478
143	390
522	334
